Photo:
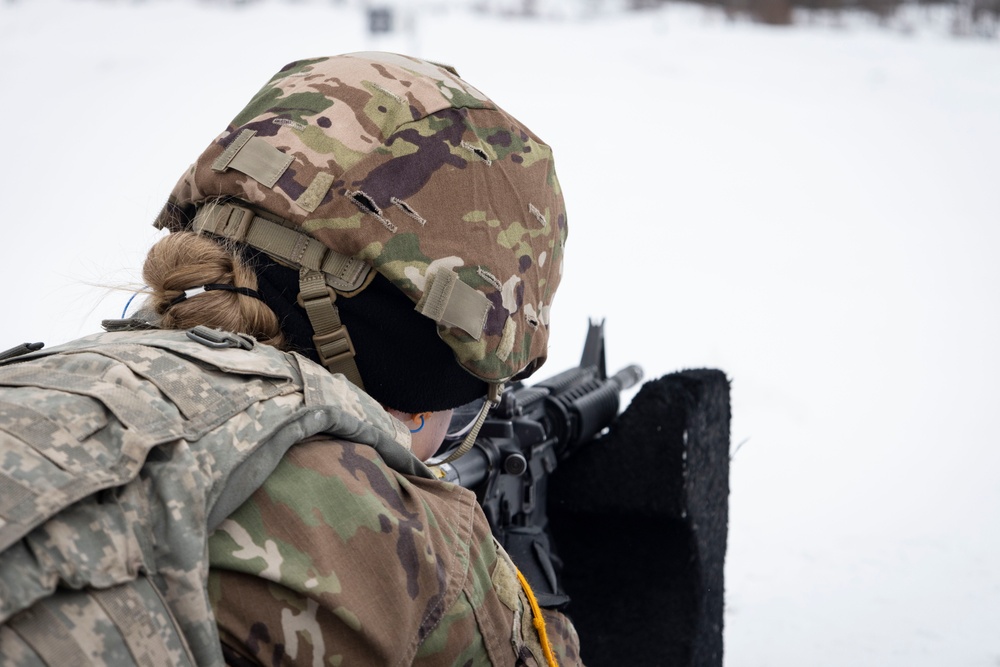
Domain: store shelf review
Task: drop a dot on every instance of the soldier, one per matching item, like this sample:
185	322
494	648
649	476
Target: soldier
381	239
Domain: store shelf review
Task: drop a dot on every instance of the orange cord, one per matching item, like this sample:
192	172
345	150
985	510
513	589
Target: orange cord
543	636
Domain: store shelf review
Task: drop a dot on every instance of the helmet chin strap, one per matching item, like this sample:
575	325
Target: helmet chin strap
492	400
330	337
316	263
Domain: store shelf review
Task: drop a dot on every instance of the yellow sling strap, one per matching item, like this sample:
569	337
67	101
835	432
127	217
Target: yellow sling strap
539	622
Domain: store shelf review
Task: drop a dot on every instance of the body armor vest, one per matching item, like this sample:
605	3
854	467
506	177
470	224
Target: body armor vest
119	454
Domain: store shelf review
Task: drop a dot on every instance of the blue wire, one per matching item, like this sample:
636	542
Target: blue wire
128	303
419	428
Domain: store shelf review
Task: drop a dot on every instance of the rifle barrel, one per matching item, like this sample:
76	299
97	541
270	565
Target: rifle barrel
627	377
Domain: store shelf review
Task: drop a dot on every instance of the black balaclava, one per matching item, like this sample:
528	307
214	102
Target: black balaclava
402	361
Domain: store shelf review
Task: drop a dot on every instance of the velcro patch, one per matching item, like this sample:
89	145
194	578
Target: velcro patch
451	302
254	157
313	195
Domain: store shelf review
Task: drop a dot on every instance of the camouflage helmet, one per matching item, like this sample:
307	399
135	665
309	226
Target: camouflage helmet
376	160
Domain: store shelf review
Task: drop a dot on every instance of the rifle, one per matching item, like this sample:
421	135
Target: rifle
520	444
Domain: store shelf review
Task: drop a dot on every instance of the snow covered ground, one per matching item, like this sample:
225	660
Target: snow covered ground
812	210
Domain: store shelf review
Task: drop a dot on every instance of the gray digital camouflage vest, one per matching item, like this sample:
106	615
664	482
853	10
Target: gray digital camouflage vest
119	454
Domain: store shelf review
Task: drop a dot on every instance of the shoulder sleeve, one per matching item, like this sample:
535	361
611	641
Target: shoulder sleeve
338	559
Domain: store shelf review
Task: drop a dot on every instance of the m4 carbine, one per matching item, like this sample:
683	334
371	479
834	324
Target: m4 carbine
520	444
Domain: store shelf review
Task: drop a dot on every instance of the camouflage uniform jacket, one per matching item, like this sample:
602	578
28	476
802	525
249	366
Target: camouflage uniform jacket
340	560
121	452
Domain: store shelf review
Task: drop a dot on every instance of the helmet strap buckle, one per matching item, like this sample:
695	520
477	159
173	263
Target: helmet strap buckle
332	341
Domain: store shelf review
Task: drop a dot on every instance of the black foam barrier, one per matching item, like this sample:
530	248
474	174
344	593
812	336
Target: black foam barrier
640	519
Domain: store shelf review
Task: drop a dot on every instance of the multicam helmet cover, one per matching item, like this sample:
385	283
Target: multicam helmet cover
400	163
